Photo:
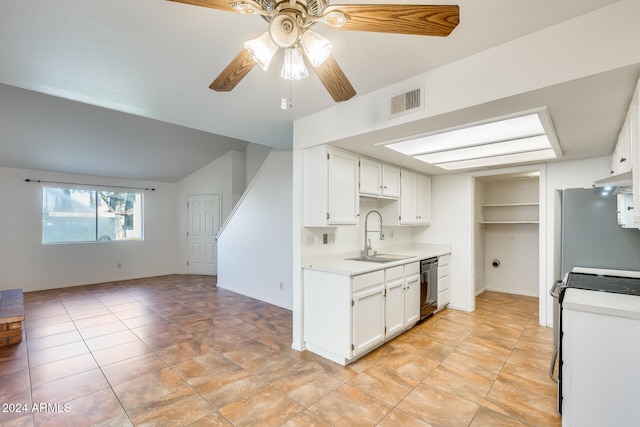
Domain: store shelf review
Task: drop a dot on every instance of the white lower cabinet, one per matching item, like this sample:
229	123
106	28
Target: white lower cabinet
411	294
402	309
368	312
444	280
394	302
347	316
411	301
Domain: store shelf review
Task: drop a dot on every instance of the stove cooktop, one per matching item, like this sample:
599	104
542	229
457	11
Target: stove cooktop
595	282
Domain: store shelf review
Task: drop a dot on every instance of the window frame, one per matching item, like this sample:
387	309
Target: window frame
137	213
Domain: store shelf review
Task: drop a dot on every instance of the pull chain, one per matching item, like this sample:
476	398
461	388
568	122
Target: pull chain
283	103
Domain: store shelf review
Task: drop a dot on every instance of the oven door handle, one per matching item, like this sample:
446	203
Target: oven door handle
552	367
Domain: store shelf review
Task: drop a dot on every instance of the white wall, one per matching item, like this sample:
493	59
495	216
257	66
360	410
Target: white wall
516	247
28	264
254	249
255	155
452	224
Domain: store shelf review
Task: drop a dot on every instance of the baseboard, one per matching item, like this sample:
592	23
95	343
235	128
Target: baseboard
507	291
250	295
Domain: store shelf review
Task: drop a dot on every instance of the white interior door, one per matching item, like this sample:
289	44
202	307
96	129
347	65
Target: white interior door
203	224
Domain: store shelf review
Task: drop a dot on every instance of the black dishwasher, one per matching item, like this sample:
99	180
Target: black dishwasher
428	287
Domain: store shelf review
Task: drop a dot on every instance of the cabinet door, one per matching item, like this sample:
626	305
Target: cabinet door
423	200
368	318
408	188
635	153
370	176
390	181
394	307
444	282
343	196
624	155
411	300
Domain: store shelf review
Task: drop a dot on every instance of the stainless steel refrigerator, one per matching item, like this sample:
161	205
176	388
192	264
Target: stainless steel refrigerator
591	236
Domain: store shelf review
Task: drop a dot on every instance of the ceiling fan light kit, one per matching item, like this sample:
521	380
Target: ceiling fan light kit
316	47
262	50
293	67
289	22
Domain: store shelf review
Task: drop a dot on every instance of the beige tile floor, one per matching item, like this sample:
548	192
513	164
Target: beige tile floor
176	350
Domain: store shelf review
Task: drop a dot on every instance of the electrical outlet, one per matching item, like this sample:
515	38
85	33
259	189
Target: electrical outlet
390	234
281	286
119	265
310	240
332	237
325	238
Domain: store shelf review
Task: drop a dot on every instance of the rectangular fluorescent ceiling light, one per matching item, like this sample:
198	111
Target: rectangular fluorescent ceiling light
524	138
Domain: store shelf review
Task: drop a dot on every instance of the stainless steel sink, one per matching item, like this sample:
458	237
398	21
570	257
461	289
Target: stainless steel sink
380	258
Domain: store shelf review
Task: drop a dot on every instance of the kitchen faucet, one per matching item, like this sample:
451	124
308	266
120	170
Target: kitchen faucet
367	241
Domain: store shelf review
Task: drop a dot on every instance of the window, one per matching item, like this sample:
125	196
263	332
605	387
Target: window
74	215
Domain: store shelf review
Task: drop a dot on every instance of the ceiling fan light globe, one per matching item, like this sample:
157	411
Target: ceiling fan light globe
293	67
316	47
261	50
284	30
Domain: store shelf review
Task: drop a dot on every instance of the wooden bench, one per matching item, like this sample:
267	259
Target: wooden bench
11	317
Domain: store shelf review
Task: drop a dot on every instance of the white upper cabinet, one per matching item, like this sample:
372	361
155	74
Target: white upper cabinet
634	131
621	158
370	176
379	179
334	180
330	187
423	200
626	158
415	198
390	180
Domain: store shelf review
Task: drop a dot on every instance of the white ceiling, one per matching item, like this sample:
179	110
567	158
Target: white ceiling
154	59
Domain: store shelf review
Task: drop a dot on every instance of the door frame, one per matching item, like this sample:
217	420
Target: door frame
544	252
218	194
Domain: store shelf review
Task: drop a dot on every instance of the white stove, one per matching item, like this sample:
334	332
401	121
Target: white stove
596	335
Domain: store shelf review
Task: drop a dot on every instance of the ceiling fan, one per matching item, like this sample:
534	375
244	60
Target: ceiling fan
289	29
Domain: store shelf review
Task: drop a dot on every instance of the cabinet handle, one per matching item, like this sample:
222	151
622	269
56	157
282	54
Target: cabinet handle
623	159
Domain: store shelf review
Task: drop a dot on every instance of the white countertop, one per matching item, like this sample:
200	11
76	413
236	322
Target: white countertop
337	263
612	304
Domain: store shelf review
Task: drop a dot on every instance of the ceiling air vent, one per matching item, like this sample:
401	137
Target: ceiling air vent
407	102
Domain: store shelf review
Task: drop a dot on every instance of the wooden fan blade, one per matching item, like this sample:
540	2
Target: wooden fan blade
423	20
234	72
213	4
334	79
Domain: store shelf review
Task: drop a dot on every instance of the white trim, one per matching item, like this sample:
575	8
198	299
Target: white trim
543	296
